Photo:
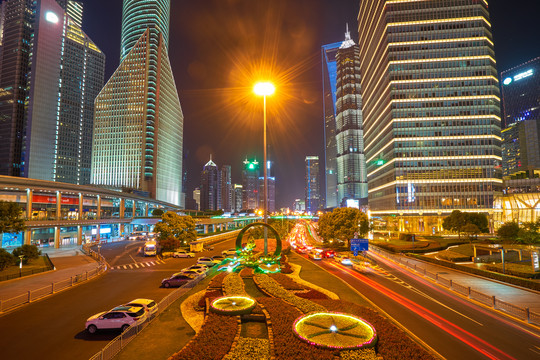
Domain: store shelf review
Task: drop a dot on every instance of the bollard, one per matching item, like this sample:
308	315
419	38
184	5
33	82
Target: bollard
469	292
527	315
86	274
52	288
437	277
494	302
451	285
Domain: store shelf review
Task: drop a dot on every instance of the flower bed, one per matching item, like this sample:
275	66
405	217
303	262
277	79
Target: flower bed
362	354
335	331
271	287
312	294
217	281
246	273
250	349
233	305
287	282
209	294
234	285
286	345
285	266
214	340
393	343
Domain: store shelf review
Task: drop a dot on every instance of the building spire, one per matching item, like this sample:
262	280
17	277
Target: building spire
349	42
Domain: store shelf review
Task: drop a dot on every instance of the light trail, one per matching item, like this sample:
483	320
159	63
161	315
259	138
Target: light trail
466	337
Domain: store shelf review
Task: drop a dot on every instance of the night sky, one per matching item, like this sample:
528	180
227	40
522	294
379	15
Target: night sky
220	48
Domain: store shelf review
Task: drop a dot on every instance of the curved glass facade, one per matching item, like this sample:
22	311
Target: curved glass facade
138	15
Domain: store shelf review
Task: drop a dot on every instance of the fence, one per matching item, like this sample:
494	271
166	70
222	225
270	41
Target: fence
119	342
489	300
32	295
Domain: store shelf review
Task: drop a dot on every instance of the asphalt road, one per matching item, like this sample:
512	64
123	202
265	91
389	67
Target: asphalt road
53	328
452	326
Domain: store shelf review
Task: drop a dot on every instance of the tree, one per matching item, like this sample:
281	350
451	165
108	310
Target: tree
11	220
472	230
478	219
529	232
157	212
169	244
6	259
343	223
455	222
508	230
177	226
28	251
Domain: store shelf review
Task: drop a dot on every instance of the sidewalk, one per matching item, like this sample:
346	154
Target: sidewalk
524	298
68	262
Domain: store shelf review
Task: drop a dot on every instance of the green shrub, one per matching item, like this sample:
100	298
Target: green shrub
234	285
453	256
6	259
217	281
28	251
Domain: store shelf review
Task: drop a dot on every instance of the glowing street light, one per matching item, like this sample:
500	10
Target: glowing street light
265	89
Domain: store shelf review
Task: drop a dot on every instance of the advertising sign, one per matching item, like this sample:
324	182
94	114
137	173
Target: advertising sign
535	261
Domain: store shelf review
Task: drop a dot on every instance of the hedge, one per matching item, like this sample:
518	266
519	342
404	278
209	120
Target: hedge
209	294
270	286
249	349
312	294
213	341
217	281
234	285
287	282
393	343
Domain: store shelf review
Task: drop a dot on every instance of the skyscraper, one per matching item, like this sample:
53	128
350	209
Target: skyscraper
250	185
431	109
350	158
237	197
312	184
329	78
138	125
209	187
226	188
51	74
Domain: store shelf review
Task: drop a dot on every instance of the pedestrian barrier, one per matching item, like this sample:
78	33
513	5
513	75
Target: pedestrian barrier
119	342
520	312
32	295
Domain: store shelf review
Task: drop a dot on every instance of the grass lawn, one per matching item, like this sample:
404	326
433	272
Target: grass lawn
32	264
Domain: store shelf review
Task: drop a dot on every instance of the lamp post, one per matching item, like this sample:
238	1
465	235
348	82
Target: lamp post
20	265
265	89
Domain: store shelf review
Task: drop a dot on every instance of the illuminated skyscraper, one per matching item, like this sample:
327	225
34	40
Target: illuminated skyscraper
350	158
329	74
210	187
138	124
237	197
51	74
431	109
225	188
250	185
313	197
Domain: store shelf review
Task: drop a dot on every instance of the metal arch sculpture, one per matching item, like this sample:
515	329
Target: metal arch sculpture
277	252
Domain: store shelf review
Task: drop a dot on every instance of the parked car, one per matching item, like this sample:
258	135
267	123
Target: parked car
315	255
208	261
193	272
121	317
327	253
198	267
177	280
148	305
208	247
218	257
183	254
230	252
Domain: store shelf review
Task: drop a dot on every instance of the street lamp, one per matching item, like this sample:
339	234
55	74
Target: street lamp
265	89
20	265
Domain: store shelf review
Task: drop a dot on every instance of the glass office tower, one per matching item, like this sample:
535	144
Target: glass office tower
329	73
313	197
138	122
431	109
350	158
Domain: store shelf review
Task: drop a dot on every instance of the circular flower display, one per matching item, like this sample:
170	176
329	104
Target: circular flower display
233	305
335	330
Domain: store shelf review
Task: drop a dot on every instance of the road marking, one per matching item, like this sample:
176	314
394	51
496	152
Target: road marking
132	258
534	350
137	266
151	262
142	265
131	267
125	267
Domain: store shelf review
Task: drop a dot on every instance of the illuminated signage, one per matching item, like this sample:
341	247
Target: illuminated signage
507	81
353	203
518	77
51	17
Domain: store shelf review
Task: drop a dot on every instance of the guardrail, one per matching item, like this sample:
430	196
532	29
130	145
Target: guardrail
119	342
522	313
33	295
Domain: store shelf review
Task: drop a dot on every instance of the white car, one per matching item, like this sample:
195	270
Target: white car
183	254
193	272
230	252
198	267
208	261
148	305
121	317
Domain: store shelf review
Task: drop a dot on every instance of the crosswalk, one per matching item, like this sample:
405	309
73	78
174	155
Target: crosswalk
138	265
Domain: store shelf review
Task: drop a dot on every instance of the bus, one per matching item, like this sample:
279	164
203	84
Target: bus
150	248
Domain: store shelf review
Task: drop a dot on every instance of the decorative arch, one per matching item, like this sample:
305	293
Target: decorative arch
241	235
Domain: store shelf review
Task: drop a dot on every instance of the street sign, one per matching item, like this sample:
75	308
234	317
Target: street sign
359	245
355	252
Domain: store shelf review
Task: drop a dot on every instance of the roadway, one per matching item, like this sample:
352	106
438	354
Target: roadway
452	326
53	328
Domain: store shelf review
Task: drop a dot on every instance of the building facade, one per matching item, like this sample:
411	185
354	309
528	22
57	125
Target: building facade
329	77
237	198
431	109
209	187
350	158
521	92
521	149
313	198
138	123
226	188
51	75
250	185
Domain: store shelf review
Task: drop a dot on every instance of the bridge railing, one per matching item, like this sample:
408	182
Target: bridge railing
523	313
